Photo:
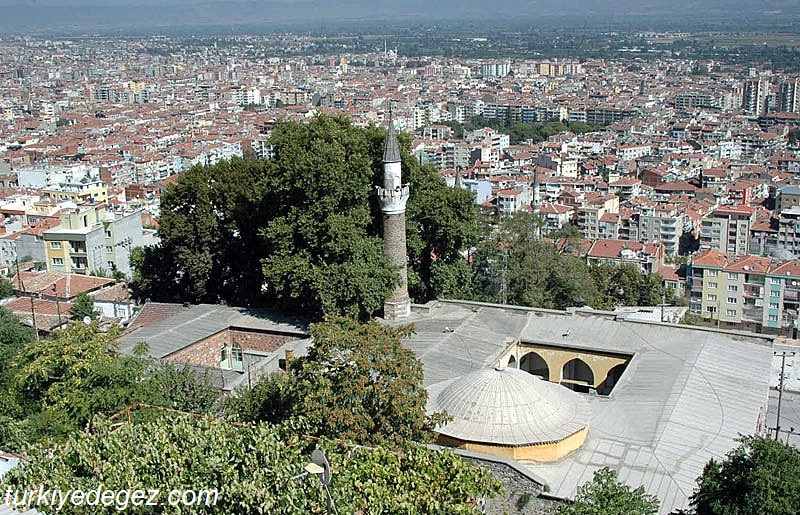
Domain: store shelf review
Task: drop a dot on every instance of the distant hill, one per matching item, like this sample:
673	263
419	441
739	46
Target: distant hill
76	16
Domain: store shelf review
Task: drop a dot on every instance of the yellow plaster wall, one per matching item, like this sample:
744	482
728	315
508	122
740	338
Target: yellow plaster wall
542	453
600	364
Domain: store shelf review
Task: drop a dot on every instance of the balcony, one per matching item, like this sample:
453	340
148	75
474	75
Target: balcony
752	313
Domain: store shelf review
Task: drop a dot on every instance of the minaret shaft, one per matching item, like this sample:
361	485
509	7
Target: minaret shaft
392	197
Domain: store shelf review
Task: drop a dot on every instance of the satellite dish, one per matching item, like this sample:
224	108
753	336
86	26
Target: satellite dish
318	458
87	320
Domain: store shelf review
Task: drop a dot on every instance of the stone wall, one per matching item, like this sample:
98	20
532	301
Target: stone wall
205	352
260	340
522	495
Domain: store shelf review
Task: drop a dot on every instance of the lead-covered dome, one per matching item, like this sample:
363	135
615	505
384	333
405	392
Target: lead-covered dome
508	407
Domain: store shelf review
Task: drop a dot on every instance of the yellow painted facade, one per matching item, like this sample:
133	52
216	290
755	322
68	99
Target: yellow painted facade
599	362
550	451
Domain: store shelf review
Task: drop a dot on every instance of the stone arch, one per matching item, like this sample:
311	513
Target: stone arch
577	374
611	379
534	364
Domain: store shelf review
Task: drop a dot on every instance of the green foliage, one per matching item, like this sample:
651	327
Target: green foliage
626	285
13	337
358	382
6	288
605	495
517	267
302	231
534	132
83	306
759	476
254	469
57	385
210	248
321	256
441	222
533	271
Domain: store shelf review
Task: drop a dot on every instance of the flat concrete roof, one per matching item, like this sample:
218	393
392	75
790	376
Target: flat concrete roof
685	397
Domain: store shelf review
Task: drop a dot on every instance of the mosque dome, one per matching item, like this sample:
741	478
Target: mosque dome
510	408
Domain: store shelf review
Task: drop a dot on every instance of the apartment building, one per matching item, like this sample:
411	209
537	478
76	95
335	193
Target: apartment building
663	223
751	292
589	213
78	191
727	229
93	240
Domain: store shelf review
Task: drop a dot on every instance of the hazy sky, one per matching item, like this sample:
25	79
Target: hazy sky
69	15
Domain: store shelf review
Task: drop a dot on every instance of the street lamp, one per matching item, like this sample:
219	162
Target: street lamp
321	468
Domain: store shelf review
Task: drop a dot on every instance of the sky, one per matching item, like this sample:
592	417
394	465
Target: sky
30	16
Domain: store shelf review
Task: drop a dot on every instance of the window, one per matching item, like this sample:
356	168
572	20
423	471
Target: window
223	357
731	300
730	312
237	361
109	249
733	287
773	280
58	261
773	318
713	273
108	233
712	284
55	245
773	305
733	276
775	293
711	297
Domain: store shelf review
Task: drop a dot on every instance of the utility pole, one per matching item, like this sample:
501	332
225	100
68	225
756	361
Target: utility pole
24	291
783	355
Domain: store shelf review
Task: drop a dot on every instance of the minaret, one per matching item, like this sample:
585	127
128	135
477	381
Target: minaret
392	198
537	195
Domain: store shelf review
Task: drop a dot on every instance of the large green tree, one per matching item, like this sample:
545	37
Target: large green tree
517	267
210	246
759	476
606	495
254	469
321	255
358	382
302	231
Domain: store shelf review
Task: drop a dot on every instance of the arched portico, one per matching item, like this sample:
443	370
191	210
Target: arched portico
534	364
549	362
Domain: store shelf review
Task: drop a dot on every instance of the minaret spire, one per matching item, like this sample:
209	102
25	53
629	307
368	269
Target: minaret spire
392	197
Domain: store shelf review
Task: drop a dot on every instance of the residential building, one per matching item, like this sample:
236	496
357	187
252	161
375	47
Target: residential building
93	240
663	223
755	293
589	213
727	229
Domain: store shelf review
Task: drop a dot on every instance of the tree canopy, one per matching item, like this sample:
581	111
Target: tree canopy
302	230
83	306
55	386
605	495
358	382
759	476
517	266
254	469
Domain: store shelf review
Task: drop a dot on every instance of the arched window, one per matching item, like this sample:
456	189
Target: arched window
237	359
611	379
512	362
534	364
578	374
223	358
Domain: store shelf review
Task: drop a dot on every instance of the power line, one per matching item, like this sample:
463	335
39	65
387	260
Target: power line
783	355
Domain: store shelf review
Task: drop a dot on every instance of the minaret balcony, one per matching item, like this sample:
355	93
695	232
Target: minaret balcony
393	201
